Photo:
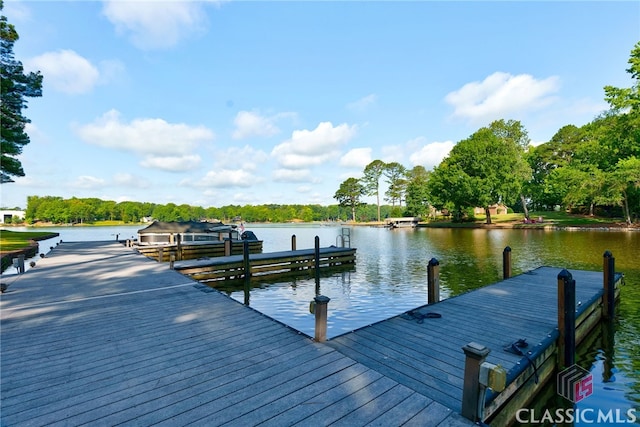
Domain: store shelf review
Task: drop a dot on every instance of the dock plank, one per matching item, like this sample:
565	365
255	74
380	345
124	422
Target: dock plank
98	334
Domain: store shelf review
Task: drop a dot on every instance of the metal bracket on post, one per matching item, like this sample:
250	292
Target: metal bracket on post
472	389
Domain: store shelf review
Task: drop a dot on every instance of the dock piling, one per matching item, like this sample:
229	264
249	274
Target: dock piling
160	254
506	262
172	259
293	242
566	319
320	310
472	405
608	297
433	281
227	247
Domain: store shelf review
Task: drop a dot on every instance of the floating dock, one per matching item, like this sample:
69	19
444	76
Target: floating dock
98	334
265	264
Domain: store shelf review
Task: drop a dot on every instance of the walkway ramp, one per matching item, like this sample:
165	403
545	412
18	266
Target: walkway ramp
97	334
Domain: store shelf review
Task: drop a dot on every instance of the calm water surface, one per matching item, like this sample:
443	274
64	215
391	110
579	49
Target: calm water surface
390	274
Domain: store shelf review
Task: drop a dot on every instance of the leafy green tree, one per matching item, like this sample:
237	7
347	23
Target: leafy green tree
371	180
16	86
481	170
396	179
417	195
512	132
349	195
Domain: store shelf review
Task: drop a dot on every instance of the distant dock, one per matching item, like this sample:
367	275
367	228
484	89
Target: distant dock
99	334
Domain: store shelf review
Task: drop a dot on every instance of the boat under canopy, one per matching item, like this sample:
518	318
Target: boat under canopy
189	232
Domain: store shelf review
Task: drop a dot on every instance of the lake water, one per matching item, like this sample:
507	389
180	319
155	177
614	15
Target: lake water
390	277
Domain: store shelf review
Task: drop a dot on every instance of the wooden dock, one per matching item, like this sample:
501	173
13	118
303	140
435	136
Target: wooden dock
98	334
265	264
423	351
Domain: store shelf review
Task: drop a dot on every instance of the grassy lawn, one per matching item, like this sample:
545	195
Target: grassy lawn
561	219
13	240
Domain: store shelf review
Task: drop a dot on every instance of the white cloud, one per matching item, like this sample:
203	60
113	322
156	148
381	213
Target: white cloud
66	71
247	158
156	24
293	175
88	182
151	137
363	103
430	155
225	178
172	163
130	181
309	148
356	158
253	124
502	95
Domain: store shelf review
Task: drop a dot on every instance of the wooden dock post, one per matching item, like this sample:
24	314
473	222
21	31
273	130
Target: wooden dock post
506	262
179	247
227	247
475	354
316	263
246	262
433	281
293	242
321	306
566	319
172	259
608	297
160	254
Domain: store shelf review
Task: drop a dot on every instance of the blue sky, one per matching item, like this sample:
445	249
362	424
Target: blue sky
218	103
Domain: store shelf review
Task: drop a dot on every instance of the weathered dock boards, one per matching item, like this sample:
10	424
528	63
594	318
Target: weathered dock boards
96	334
265	264
425	354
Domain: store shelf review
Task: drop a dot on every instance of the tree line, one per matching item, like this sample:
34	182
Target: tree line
56	210
590	169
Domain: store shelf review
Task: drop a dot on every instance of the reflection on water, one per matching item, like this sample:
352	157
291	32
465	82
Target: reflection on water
390	277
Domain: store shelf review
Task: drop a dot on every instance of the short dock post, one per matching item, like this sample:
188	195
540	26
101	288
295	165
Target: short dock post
160	254
433	281
179	253
566	319
247	263
608	297
227	247
506	262
293	242
321	306
475	354
172	259
317	254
